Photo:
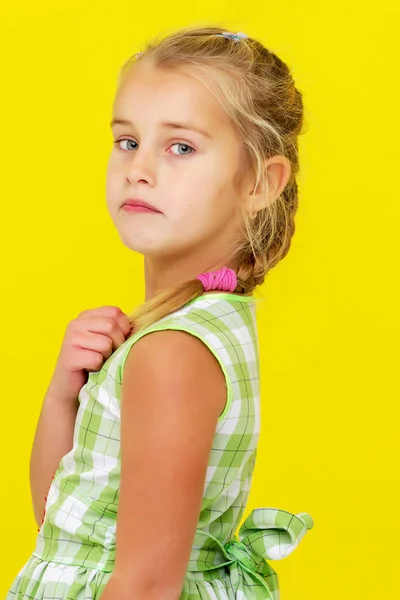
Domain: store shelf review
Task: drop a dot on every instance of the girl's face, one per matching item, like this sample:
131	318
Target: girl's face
178	151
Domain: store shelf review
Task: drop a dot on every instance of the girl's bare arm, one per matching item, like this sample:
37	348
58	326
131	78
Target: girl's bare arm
173	391
53	439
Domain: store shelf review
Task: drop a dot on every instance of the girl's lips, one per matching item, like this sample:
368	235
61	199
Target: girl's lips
133	208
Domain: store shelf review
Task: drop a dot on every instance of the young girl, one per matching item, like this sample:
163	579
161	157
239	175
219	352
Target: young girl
149	442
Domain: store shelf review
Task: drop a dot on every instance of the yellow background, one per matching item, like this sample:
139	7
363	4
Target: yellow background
329	326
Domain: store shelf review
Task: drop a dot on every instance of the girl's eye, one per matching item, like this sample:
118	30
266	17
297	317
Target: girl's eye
124	140
184	148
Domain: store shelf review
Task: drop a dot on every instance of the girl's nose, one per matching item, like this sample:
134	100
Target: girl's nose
141	169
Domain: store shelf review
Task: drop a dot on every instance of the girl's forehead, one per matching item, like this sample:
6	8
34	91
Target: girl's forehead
143	80
169	96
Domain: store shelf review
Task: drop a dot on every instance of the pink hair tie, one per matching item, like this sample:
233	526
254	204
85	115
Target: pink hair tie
224	279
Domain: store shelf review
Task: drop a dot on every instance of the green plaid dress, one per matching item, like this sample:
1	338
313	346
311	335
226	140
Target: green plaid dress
75	546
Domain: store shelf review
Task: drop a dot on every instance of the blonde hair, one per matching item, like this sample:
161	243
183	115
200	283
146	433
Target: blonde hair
258	92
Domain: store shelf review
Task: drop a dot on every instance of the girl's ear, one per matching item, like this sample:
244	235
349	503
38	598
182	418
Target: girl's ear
278	171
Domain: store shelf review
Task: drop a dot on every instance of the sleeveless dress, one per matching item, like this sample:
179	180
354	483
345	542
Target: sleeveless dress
75	547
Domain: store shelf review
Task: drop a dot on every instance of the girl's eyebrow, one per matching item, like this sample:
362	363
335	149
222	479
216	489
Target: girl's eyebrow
188	126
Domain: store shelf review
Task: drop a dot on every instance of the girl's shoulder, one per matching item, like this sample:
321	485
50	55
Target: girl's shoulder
225	322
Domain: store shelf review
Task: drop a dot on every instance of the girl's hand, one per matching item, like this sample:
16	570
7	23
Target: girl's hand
90	339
